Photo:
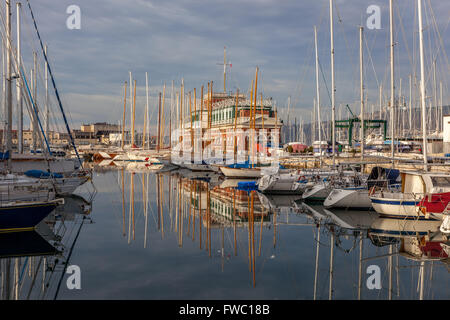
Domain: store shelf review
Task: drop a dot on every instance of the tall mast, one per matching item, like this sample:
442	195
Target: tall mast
4	104
235	125
288	120
422	88
318	96
158	142
18	85
34	86
441	125
47	111
131	99
361	75
436	109
124	110
410	103
190	127
162	116
170	115
195	115
8	80
391	21
333	133
134	114
146	112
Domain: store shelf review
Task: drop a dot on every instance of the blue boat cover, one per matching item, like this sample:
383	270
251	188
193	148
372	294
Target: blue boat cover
42	174
247	185
4	155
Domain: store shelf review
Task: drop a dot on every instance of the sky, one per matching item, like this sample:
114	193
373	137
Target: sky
181	39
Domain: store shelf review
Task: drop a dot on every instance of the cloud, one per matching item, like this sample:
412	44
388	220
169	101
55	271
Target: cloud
184	39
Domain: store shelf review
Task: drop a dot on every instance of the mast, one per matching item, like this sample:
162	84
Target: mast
313	122
251	122
8	81
381	101
288	120
361	77
124	110
158	142
18	85
134	114
436	109
47	111
318	96
235	125
146	111
441	125
255	94
410	103
190	127
391	21
422	88
170	115
162	116
333	89
131	99
34	87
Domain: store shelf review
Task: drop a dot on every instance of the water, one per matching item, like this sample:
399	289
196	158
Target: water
157	252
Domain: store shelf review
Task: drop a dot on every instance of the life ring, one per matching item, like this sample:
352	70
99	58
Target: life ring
372	191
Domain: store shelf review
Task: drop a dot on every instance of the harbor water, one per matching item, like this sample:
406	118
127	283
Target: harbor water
178	235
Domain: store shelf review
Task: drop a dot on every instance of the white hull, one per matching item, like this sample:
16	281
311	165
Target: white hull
241	172
396	205
345	198
280	184
319	192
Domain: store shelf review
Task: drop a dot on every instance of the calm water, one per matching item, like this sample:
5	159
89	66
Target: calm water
150	236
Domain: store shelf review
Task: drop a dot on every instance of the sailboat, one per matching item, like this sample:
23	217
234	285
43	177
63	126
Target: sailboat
24	203
423	195
355	194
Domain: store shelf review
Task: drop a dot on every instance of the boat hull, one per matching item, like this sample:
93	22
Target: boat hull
241	172
280	184
433	206
348	198
25	216
319	193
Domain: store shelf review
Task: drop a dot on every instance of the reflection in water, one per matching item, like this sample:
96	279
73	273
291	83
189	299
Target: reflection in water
171	224
33	263
207	210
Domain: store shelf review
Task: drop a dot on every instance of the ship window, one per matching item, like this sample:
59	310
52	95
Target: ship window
440	181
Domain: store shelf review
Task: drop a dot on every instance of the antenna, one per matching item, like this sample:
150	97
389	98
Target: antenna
224	64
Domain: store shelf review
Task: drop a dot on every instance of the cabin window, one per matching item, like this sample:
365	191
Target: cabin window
440	181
